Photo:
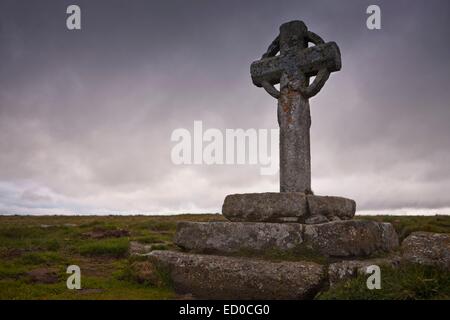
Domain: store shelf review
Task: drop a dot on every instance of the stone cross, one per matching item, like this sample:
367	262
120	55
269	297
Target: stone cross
292	69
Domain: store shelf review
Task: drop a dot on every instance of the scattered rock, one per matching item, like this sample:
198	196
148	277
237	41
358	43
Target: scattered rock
43	275
219	277
228	237
100	233
350	238
145	272
427	248
70	225
347	269
138	248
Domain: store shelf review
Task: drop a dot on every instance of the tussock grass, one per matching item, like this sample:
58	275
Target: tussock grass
107	247
151	238
38	258
409	282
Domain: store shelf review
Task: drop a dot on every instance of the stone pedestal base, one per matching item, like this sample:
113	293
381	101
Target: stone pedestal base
287	207
218	277
234	260
352	238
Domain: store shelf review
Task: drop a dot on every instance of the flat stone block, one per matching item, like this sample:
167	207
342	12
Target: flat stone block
427	248
219	277
229	237
331	207
287	207
350	238
264	207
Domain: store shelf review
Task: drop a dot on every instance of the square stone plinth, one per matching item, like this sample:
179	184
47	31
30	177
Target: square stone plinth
230	237
349	238
287	207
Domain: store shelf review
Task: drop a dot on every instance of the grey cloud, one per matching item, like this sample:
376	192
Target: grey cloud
88	115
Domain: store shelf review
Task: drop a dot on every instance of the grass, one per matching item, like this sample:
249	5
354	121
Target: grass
409	282
39	258
92	288
152	238
108	247
55	242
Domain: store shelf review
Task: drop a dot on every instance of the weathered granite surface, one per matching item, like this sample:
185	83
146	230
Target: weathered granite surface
427	248
264	207
350	238
287	207
219	277
331	207
228	237
137	248
346	269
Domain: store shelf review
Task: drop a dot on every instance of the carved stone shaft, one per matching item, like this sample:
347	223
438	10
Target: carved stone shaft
292	69
295	157
294	116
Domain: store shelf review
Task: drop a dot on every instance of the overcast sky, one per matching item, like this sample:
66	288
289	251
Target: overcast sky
86	116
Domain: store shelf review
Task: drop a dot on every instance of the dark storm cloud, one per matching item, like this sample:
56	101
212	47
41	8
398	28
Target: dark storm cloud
86	116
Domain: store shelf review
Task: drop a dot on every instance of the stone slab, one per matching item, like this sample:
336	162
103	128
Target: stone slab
264	207
229	237
347	269
351	238
287	207
331	207
427	248
219	277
